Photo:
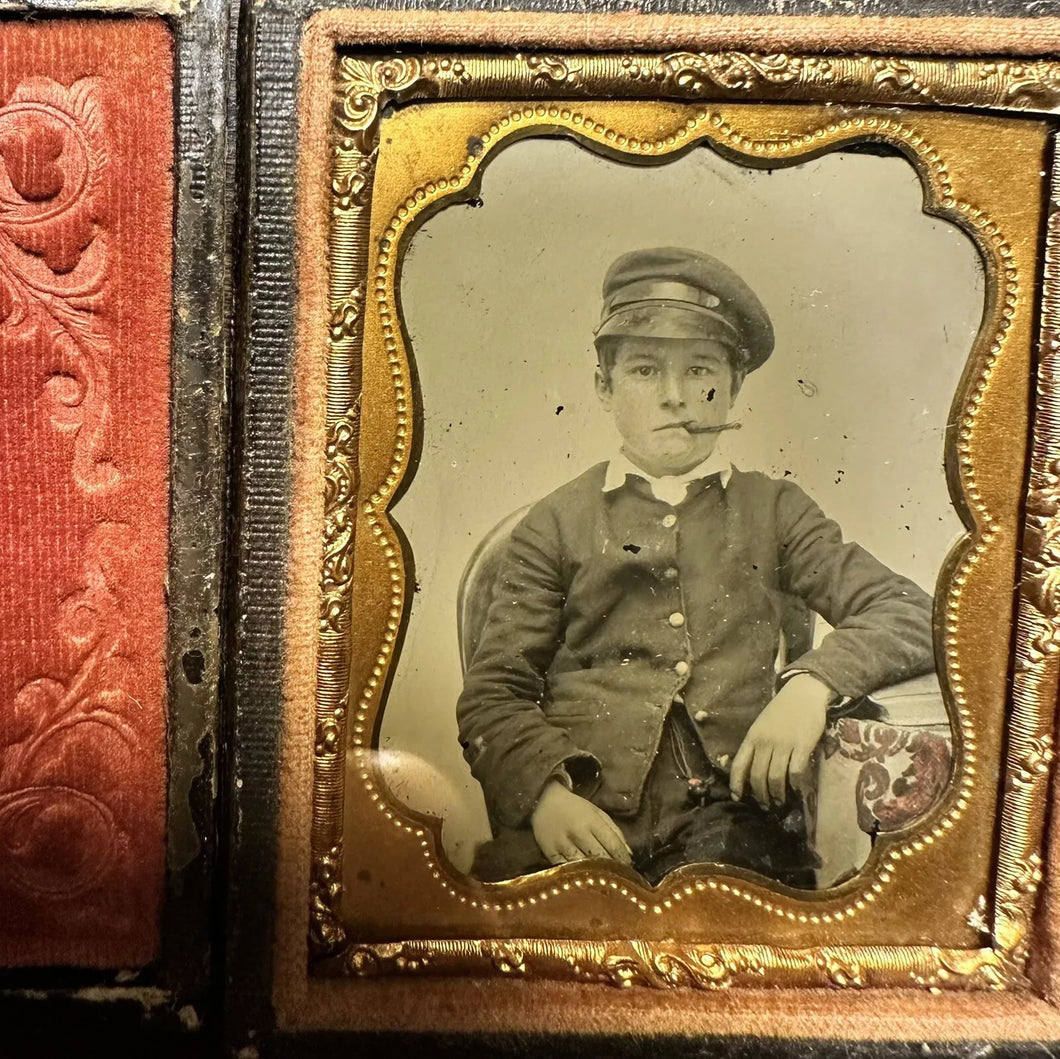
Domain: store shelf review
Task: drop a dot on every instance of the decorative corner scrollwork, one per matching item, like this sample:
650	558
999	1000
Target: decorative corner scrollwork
966	969
326	933
1015	906
366	87
375	961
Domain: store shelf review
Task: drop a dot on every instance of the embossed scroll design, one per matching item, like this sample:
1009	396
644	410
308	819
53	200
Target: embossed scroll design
703	967
1001	84
364	89
44	815
57	837
52	256
1017	85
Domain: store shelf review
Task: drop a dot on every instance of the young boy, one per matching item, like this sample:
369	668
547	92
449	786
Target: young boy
645	687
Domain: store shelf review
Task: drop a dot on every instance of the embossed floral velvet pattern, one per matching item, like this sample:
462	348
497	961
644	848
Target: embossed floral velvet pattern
85	208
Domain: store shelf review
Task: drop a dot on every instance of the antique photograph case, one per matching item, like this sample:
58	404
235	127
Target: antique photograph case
685	615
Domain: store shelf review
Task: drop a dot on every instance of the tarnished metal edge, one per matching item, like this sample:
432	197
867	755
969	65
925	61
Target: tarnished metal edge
205	121
165	8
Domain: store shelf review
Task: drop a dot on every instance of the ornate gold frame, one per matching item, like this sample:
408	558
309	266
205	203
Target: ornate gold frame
615	102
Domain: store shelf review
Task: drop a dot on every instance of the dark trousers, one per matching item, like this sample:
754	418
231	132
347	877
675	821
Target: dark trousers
681	823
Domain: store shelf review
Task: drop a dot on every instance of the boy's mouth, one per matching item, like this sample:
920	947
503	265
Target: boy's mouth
694	427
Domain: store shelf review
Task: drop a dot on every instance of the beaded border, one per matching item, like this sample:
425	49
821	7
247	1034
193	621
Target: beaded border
705	125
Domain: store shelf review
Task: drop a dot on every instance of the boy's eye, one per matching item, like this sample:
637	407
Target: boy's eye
700	370
644	370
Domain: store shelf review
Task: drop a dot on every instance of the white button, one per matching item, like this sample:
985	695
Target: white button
681	668
670	573
700	716
669	520
677	619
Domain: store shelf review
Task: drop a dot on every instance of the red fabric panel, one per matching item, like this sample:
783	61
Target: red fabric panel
86	154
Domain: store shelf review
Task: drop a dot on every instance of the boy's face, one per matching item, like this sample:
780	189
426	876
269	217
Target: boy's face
660	391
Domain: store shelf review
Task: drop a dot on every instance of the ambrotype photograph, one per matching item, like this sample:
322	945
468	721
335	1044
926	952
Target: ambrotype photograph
677	512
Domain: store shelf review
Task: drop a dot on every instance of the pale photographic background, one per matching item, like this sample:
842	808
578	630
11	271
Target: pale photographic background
875	307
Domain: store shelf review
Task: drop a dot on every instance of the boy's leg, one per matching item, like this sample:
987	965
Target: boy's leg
713	828
770	842
510	853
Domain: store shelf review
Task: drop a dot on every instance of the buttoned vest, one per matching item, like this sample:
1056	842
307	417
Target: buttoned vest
667	604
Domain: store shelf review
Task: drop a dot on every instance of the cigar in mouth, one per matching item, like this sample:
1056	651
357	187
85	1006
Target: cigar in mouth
698	428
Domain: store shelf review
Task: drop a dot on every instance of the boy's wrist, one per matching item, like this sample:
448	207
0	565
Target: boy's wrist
553	790
813	686
577	776
562	776
804	691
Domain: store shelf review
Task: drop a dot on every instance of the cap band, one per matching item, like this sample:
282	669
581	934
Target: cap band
699	310
664	290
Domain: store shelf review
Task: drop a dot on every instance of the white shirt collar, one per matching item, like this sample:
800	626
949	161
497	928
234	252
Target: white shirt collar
670	488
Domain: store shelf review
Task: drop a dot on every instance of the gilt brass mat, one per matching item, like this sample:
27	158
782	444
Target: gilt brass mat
949	904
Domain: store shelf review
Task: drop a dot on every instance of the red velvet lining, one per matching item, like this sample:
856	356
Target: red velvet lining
85	256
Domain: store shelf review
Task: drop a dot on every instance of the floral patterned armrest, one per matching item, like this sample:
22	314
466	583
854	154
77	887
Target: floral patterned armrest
878	772
903	771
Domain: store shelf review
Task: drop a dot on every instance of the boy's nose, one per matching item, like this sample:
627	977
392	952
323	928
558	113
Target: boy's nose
672	390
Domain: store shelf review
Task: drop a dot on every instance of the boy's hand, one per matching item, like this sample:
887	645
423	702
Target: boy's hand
779	745
567	827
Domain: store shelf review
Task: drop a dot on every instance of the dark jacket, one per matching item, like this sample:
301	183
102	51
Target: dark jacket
610	606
